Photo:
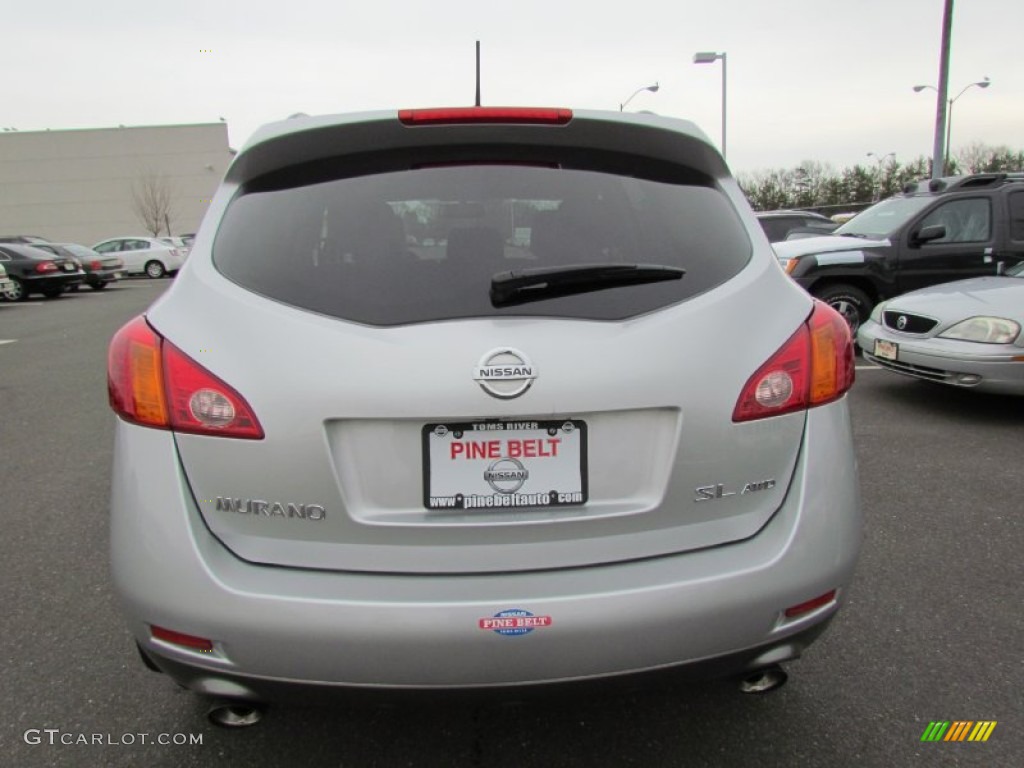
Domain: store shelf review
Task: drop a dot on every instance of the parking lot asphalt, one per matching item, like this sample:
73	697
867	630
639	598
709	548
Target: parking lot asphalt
933	629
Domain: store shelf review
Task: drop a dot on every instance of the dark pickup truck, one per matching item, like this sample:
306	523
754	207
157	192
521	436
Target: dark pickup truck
932	232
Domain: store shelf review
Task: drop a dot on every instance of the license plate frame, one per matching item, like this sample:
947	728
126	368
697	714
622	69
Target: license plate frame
495	465
886	350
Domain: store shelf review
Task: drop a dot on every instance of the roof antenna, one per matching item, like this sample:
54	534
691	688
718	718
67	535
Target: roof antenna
478	73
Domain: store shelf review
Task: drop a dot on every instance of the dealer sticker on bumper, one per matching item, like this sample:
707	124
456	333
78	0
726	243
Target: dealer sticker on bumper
504	464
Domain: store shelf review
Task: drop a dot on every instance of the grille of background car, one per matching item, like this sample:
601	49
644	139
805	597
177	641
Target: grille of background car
913	324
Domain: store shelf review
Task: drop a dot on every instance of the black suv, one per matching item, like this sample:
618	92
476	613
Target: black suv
932	232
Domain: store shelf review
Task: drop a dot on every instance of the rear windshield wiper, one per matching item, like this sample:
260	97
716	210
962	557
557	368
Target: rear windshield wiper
525	285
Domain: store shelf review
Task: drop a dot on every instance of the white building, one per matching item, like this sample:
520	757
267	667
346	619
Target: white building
76	185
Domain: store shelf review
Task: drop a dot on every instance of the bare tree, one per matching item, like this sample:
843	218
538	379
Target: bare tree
152	194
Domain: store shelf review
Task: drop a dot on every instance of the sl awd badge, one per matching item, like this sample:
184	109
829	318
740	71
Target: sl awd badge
504	373
718	491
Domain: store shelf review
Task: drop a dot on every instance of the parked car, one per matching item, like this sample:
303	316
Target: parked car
144	255
177	242
784	225
5	282
966	333
933	232
100	270
25	239
340	464
34	271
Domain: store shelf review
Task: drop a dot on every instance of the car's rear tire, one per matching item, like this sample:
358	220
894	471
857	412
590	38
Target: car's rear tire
17	291
155	270
848	300
53	293
97	286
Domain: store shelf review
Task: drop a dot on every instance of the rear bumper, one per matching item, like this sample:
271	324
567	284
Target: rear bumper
233	685
103	276
716	612
52	282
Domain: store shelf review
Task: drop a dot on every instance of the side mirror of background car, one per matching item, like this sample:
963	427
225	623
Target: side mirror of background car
927	234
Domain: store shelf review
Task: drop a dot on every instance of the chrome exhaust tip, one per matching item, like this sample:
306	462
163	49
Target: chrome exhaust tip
764	680
234	714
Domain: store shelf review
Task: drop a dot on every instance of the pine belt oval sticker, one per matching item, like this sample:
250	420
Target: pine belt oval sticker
514	621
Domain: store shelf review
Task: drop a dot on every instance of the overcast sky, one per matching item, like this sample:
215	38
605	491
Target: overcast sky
807	79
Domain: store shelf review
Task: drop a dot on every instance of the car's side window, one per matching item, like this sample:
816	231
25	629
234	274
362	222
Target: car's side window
1017	216
966	221
108	247
776	229
135	245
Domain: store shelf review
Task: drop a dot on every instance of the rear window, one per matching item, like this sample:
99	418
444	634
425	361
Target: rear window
422	244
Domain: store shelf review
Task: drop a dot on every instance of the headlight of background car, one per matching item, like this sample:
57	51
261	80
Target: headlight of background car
876	313
987	330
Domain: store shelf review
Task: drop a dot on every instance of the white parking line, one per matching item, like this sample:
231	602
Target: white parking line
7	341
867	367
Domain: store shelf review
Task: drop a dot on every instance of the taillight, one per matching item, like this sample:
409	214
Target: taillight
135	375
462	115
814	367
95	265
153	383
46	266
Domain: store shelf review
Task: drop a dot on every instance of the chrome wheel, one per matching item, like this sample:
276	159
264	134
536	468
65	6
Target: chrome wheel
155	270
848	300
849	312
16	292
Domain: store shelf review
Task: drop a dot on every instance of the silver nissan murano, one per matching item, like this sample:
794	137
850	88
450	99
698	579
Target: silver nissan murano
474	398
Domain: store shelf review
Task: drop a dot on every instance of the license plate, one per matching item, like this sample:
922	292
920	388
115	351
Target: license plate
117	275
69	267
492	465
886	350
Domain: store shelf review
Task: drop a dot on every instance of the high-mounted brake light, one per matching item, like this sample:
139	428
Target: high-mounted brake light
467	115
814	367
153	383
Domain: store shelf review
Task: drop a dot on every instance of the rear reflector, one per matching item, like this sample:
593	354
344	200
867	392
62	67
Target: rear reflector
814	367
810	605
180	638
466	115
153	383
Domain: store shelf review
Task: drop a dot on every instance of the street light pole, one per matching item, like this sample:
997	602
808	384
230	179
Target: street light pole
949	104
709	57
651	88
942	91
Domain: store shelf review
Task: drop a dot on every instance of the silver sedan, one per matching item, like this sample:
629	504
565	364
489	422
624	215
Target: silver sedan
966	333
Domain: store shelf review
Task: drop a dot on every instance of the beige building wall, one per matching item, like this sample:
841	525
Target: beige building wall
76	185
